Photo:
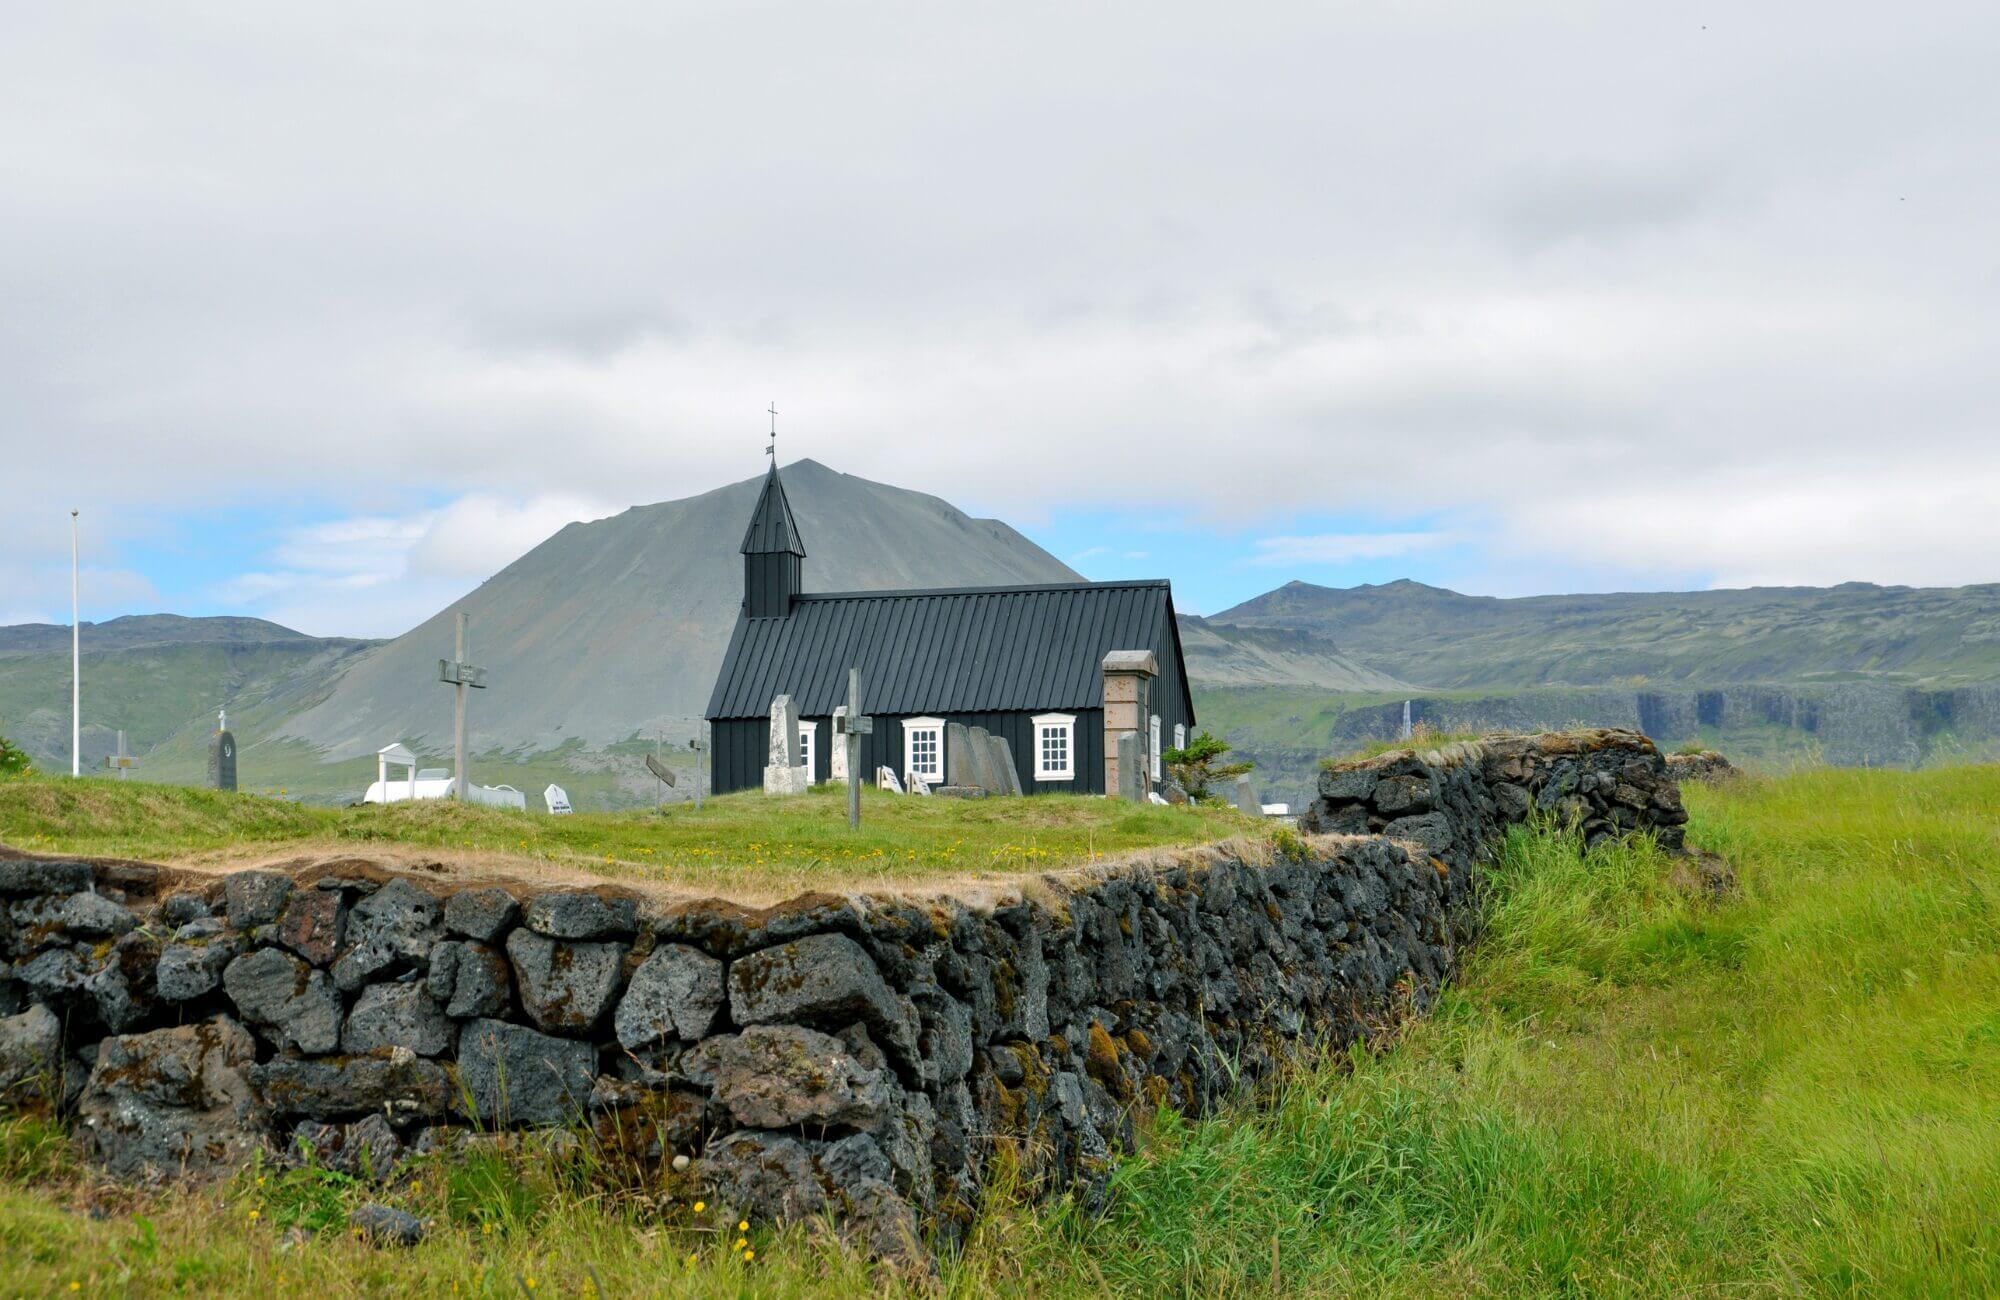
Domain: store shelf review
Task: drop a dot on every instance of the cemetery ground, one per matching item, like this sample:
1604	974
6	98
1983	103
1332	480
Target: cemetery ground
1631	1089
743	846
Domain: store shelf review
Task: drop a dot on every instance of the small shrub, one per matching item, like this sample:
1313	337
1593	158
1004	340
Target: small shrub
1198	764
13	762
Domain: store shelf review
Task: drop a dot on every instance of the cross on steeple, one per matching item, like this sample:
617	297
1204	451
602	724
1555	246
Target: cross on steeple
772	449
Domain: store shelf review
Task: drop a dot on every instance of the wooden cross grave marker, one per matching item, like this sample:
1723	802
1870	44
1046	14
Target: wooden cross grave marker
850	725
459	675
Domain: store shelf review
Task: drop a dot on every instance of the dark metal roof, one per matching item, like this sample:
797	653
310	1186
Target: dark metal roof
772	529
950	650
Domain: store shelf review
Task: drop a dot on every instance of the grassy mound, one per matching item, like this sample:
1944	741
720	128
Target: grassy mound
742	841
1630	1092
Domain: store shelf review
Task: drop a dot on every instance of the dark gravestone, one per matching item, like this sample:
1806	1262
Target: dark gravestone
1004	770
222	761
958	768
981	764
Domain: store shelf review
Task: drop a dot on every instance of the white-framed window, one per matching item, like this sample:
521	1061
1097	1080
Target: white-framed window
1180	735
1156	746
923	749
808	746
1055	747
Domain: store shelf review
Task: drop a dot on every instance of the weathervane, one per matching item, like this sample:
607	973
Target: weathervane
772	449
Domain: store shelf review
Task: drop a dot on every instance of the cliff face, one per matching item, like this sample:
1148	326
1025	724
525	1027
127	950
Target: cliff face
1859	724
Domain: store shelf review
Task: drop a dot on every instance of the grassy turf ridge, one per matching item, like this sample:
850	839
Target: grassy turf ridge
1630	1091
740	840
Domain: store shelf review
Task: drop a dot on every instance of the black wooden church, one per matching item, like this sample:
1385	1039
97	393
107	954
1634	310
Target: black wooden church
1025	662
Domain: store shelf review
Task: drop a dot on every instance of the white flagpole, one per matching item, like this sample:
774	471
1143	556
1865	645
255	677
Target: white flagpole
75	663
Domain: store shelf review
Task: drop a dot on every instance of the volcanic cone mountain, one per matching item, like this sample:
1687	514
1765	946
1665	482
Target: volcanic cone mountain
616	627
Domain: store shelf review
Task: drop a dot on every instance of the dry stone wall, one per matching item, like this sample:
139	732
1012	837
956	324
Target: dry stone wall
867	1057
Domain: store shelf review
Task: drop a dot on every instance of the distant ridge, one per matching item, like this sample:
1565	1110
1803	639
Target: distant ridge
1442	639
135	630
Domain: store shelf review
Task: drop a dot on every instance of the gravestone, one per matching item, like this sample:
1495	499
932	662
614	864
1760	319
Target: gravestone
557	799
1131	772
837	757
885	778
918	785
783	773
1246	798
983	774
958	769
122	761
1002	755
222	756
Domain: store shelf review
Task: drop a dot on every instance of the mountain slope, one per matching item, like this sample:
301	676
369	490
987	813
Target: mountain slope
156	690
1854	632
1221	655
617	627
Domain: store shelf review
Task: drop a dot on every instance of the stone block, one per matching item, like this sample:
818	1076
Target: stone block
278	991
471	980
566	986
514	1075
396	1083
173	1102
826	980
390	930
482	914
396	1015
311	925
34	876
191	965
255	897
778	1076
676	993
580	914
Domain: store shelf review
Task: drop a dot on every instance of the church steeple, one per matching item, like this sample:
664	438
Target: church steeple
773	569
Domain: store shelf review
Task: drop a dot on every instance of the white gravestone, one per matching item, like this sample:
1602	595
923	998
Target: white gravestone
557	799
838	756
885	778
784	774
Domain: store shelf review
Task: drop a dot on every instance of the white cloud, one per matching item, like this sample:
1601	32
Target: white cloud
1331	259
1342	548
379	575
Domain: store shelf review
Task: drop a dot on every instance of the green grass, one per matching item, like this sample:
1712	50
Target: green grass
741	842
1630	1091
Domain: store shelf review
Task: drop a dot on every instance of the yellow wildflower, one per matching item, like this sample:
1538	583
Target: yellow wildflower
699	1206
743	1226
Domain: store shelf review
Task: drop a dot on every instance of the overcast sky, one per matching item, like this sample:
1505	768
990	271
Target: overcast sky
324	313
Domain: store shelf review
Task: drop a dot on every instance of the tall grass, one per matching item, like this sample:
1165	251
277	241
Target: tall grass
1630	1091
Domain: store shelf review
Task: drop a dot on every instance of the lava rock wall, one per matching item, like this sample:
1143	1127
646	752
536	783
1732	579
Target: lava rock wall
869	1057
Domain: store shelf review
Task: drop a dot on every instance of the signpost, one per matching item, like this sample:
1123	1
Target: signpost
459	675
849	726
122	761
661	770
